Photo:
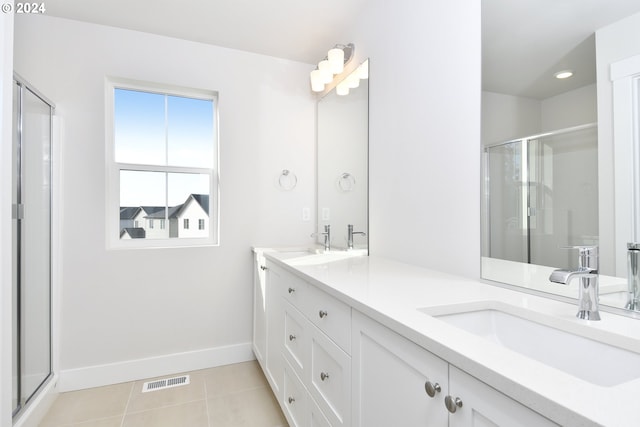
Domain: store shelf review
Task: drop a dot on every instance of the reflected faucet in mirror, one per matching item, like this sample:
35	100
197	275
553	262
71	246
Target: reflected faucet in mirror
327	237
350	234
633	267
587	272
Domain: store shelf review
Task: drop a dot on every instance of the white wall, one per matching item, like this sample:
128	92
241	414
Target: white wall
6	256
424	130
613	43
123	311
573	108
507	117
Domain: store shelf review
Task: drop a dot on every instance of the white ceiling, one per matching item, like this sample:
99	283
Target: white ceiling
300	30
524	41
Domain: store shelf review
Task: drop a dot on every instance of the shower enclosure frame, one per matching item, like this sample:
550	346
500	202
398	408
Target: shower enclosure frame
20	403
525	179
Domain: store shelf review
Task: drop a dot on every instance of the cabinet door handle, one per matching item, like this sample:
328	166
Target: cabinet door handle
432	388
324	376
291	400
263	267
291	290
322	314
452	403
292	337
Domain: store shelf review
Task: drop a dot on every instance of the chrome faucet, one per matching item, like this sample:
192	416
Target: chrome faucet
350	234
588	291
327	237
633	276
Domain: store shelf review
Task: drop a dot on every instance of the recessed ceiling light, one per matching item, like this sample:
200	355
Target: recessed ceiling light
564	74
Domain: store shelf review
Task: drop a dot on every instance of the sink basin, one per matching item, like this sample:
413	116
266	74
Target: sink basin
315	256
585	358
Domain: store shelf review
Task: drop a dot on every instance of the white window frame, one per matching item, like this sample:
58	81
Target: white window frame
114	168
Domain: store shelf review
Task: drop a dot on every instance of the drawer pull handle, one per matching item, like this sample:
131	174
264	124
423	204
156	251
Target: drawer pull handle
292	337
324	376
452	403
322	314
432	388
291	400
291	290
263	267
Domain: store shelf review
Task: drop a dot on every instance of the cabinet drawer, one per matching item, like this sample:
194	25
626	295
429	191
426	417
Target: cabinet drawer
295	291
329	379
295	403
317	417
331	316
296	338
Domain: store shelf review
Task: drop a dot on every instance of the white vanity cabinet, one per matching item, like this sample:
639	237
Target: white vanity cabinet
390	379
276	280
483	405
259	307
396	382
308	339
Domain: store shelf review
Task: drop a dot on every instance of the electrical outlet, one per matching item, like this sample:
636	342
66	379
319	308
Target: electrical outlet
326	214
306	214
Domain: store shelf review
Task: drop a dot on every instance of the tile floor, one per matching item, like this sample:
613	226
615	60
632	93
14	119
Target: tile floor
227	396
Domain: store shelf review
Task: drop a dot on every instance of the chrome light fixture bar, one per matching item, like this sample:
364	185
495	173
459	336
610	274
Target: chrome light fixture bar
332	64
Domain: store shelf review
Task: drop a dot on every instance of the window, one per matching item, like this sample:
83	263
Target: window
162	146
201	224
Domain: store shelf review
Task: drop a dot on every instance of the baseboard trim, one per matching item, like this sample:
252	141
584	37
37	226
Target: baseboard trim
133	370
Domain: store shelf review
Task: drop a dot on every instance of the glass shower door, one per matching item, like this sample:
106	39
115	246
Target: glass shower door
507	221
32	243
563	195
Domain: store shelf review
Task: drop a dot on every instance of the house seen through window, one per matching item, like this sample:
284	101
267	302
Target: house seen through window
164	148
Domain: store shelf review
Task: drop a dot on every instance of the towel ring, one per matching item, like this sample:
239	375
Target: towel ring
346	182
287	180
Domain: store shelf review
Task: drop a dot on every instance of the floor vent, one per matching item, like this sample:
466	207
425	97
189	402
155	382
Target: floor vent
165	383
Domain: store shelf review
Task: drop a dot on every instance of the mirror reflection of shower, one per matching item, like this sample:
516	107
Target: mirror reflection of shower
541	195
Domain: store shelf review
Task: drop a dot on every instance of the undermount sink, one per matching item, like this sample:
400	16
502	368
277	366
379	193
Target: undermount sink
315	256
585	358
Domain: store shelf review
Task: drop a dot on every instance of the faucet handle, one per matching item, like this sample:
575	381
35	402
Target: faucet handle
587	255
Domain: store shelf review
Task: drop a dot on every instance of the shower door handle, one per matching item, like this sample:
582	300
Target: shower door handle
17	211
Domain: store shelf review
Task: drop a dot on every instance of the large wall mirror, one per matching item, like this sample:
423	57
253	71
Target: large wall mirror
550	181
342	155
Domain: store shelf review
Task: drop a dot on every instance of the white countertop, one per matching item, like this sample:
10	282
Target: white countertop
392	292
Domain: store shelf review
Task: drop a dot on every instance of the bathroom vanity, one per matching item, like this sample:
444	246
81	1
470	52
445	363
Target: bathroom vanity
348	340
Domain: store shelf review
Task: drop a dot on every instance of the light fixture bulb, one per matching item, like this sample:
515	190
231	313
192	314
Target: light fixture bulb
324	67
564	74
352	81
363	70
336	60
317	84
342	89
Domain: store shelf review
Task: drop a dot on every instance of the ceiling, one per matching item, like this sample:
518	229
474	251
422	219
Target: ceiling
524	41
300	30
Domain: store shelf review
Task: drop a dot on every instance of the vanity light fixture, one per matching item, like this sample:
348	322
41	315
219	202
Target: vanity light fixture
564	74
352	81
332	64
